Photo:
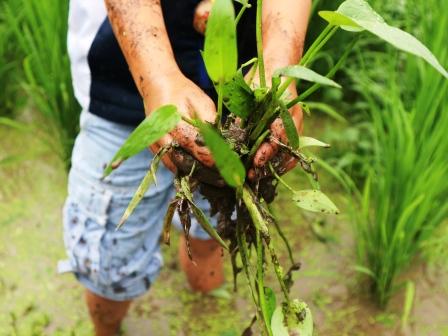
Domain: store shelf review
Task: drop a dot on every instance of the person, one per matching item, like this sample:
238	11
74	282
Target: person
129	57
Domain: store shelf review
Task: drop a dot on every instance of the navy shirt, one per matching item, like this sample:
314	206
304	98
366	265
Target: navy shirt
102	80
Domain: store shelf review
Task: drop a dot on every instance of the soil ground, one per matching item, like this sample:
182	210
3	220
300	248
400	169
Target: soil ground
34	300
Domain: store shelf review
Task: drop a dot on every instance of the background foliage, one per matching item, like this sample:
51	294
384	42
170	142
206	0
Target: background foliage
387	127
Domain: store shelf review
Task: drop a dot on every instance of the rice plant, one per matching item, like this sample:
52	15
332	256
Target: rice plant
404	198
39	29
8	67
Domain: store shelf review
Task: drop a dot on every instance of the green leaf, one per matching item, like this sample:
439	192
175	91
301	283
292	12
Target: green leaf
205	224
221	293
199	214
271	302
238	97
227	161
149	178
290	128
408	303
364	270
220	46
304	327
314	200
277	323
338	19
358	15
156	125
300	72
327	109
311	142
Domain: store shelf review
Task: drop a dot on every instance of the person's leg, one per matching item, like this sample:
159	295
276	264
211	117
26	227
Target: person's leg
106	314
115	266
205	273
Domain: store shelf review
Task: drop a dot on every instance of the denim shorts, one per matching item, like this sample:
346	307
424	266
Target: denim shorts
116	264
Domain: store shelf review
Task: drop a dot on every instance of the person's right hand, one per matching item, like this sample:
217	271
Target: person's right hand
174	88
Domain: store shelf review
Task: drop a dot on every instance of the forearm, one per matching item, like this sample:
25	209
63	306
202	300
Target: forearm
140	30
284	29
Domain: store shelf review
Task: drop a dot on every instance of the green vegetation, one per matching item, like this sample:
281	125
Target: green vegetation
404	198
388	153
385	245
38	29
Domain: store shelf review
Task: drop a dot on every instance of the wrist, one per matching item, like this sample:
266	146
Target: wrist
159	81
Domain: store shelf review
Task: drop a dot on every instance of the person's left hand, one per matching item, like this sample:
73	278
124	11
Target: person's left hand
270	148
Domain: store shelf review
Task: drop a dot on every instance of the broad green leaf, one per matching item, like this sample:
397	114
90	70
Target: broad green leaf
338	19
220	46
290	128
238	97
353	14
155	126
226	160
277	323
304	327
314	200
300	72
311	142
271	302
294	327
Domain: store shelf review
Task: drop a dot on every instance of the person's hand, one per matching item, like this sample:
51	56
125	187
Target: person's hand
174	88
270	148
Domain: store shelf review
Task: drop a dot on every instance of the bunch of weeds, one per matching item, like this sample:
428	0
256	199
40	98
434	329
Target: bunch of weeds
39	30
404	197
244	220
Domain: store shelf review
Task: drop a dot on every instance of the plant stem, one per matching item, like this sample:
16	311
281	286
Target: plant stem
242	246
320	41
280	179
188	120
318	44
240	13
283	237
261	226
260	283
257	144
261	70
220	104
330	74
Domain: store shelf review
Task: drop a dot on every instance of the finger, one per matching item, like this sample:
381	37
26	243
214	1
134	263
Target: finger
187	137
203	107
164	141
287	164
266	151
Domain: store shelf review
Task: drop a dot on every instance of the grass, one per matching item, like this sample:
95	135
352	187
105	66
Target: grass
9	60
39	29
404	198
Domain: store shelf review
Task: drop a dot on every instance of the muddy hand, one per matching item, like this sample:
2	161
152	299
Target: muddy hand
174	88
269	149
